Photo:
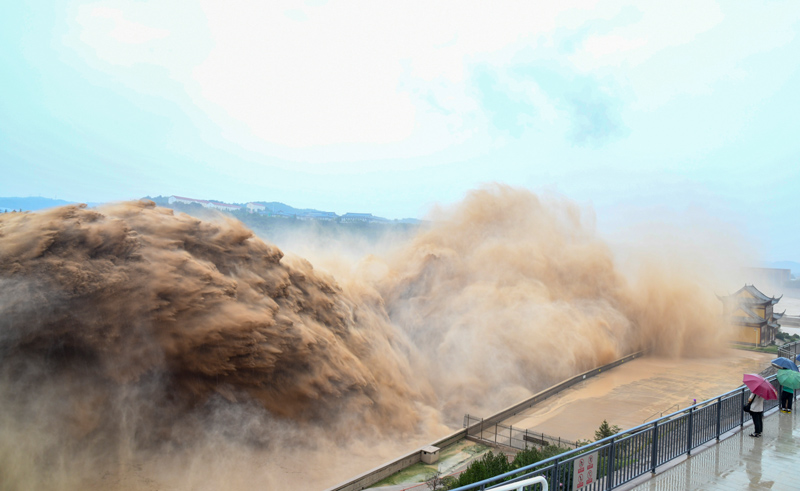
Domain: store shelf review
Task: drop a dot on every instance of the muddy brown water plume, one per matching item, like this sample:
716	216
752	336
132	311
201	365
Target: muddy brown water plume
140	348
510	292
131	294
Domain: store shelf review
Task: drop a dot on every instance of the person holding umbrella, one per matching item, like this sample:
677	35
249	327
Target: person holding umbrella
757	413
787	395
761	390
789	381
789	378
783	363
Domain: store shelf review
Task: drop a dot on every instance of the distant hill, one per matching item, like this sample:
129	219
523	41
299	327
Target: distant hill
272	206
278	208
39	203
30	204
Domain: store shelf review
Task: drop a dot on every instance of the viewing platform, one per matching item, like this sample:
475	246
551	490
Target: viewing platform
738	461
628	395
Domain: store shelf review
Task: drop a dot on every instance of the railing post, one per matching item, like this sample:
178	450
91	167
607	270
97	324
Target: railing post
556	477
689	432
610	466
481	428
654	458
719	416
741	405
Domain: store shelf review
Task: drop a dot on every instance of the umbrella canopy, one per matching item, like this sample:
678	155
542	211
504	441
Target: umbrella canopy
784	362
759	386
788	378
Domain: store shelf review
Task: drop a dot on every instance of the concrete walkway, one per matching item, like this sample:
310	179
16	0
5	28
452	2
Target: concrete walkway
738	461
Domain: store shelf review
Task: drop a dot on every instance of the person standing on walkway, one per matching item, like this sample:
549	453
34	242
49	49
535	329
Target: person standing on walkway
787	395
757	412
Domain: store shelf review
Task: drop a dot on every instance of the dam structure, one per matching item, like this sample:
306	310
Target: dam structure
633	392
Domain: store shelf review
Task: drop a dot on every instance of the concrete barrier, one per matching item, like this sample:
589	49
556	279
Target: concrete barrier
367	479
549	392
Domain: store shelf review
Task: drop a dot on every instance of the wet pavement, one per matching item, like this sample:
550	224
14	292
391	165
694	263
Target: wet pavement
627	395
738	461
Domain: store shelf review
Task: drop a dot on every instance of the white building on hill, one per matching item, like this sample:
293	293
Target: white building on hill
204	203
187	201
256	208
357	217
223	206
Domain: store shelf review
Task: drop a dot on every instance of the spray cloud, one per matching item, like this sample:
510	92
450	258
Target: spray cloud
131	337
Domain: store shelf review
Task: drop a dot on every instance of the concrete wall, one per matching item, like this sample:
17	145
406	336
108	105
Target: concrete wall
369	478
539	397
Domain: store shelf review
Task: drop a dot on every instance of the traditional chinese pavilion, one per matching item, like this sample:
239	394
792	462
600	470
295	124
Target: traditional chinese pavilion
752	316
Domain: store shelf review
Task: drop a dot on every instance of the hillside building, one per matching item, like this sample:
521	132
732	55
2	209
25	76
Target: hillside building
357	217
204	203
187	201
256	208
324	216
222	206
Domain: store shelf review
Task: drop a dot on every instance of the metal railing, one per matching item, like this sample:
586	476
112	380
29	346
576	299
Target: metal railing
627	455
789	350
527	483
661	413
519	438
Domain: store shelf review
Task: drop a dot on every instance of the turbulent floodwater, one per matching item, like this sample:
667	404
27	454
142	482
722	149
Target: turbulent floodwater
142	349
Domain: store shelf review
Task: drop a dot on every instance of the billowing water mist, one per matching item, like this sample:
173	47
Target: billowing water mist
142	349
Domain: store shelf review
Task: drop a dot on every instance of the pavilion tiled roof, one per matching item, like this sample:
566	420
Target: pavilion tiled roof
758	298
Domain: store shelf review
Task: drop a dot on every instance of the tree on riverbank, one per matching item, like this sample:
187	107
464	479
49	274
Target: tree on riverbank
492	464
605	430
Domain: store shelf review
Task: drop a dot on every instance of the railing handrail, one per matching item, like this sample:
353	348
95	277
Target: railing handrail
789	347
601	443
468	418
516	486
660	413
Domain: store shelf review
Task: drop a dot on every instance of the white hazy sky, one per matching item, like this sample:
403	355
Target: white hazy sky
645	111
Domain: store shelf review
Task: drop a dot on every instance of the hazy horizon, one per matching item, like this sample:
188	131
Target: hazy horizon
645	113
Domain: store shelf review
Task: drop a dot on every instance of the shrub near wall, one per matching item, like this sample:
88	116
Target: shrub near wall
495	464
